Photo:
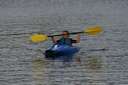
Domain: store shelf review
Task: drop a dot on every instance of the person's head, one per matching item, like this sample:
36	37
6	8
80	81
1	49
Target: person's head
65	34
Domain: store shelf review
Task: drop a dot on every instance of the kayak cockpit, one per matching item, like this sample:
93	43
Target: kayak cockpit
58	51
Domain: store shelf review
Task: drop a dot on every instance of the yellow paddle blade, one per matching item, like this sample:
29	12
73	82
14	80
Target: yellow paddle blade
93	30
38	38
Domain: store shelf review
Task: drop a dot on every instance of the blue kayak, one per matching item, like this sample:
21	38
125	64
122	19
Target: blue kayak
60	52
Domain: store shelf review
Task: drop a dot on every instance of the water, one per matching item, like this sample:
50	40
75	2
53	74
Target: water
22	62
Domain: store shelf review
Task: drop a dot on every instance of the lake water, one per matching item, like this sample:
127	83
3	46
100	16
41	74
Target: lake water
22	62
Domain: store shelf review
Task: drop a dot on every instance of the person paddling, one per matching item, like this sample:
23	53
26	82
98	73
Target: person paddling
65	39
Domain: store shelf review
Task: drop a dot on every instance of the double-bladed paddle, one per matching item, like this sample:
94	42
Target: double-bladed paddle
92	30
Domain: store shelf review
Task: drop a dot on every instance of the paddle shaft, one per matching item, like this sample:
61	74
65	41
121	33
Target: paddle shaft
69	33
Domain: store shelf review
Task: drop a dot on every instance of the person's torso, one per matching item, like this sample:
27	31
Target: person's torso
67	41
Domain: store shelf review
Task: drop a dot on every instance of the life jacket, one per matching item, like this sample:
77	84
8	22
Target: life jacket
67	41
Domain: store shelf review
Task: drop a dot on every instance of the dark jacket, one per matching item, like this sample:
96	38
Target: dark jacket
67	41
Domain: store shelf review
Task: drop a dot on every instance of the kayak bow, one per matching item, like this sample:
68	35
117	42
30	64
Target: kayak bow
60	51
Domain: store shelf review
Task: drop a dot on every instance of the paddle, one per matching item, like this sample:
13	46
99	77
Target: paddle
93	30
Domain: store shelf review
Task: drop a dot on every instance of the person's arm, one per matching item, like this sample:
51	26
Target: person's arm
53	39
78	38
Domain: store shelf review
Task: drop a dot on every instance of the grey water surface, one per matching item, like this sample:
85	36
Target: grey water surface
22	62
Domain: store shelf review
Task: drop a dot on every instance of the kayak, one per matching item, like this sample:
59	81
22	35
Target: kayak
61	52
